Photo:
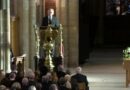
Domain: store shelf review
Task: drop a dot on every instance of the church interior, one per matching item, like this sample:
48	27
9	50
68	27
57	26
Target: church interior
92	35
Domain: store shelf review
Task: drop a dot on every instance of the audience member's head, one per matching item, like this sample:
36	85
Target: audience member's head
49	75
67	77
25	81
53	87
12	76
27	72
45	79
39	86
2	87
30	74
32	87
16	86
78	70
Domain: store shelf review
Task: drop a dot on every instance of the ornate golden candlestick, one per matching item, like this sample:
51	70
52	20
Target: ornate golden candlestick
48	46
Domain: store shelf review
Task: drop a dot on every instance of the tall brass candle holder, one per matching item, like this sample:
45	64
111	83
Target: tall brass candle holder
48	46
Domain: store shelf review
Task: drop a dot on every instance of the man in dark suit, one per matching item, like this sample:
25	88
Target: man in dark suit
79	77
50	19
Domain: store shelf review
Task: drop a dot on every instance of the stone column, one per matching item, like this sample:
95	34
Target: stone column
1	29
32	20
61	14
24	30
73	28
14	27
7	39
26	12
67	12
5	36
19	15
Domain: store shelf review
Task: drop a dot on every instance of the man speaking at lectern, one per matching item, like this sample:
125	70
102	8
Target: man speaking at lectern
50	19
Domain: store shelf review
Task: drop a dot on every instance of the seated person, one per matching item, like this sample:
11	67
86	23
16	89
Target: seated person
79	77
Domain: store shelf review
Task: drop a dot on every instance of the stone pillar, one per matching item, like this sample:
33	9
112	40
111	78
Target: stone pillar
15	36
67	11
5	36
19	18
14	27
27	19
1	38
32	20
73	32
61	14
24	30
7	65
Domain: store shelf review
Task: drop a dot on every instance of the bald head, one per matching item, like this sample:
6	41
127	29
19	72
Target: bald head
78	70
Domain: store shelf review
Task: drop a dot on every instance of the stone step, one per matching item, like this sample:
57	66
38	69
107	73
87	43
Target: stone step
105	70
109	88
107	84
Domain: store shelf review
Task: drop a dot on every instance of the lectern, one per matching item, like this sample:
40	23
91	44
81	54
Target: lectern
50	40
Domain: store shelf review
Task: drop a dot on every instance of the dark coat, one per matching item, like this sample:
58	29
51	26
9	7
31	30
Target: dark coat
80	78
54	22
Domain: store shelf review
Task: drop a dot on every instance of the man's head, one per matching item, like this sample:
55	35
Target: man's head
78	70
50	12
